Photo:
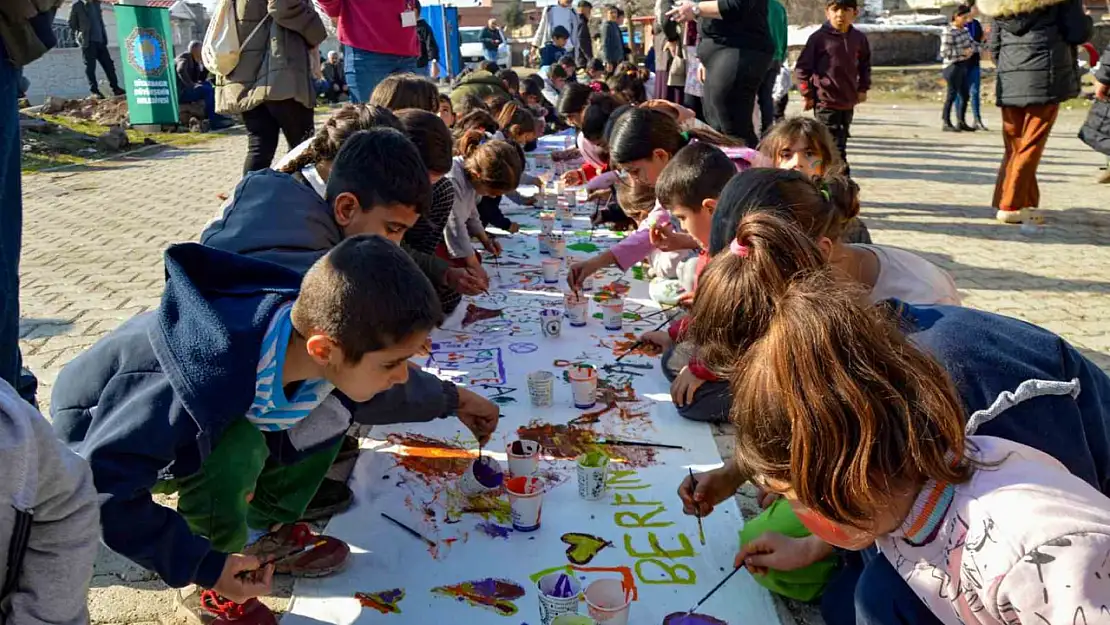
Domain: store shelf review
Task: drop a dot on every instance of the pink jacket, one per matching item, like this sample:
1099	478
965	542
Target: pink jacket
374	25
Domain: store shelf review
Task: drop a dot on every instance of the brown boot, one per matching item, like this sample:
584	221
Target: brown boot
323	560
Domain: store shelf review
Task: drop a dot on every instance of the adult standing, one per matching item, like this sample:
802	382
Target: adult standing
272	86
491	40
428	61
974	70
87	23
776	22
583	40
612	44
1096	130
736	49
560	14
1034	47
379	38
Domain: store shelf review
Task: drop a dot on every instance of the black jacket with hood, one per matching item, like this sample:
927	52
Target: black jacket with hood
1096	130
1034	47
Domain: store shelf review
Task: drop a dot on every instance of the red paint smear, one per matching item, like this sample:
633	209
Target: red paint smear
432	458
646	348
567	442
385	601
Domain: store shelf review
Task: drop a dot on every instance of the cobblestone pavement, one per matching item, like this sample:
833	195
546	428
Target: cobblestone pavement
93	239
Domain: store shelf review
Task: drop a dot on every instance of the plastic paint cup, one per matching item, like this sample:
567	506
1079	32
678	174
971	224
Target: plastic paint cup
559	186
583	385
524	458
612	313
541	388
551	270
558	596
565	216
525	502
547	223
545	244
577	309
588	283
482	476
571	196
593	469
558	245
608	602
573	619
551	322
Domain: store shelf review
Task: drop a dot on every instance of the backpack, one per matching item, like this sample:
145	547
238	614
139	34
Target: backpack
220	49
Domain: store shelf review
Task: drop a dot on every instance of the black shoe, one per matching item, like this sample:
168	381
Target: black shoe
950	128
118	91
221	123
331	498
96	95
965	128
979	125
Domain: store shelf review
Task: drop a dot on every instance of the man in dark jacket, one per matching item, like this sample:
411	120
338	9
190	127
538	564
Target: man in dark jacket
429	48
834	71
193	86
612	43
1034	47
335	77
1096	130
491	39
583	40
87	23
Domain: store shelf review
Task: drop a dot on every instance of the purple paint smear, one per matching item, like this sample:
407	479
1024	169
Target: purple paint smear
494	530
682	618
563	588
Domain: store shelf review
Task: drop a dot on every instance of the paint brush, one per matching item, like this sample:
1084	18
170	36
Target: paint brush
621	442
412	532
715	589
274	560
640	342
697	514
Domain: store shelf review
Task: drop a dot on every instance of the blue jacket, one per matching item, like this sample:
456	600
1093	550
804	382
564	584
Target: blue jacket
150	400
1022	383
550	54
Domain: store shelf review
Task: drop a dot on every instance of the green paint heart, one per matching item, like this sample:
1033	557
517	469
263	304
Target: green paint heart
583	547
583	247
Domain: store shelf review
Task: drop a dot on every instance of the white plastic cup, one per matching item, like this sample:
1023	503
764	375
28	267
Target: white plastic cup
545	243
558	594
593	469
583	385
558	245
525	502
541	388
547	223
588	283
608	602
551	322
571	196
559	186
612	313
551	270
486	479
524	457
577	309
565	216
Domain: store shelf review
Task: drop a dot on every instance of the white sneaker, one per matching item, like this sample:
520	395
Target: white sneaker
1011	217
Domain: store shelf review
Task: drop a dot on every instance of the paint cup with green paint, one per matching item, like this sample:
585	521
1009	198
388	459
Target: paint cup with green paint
573	619
593	471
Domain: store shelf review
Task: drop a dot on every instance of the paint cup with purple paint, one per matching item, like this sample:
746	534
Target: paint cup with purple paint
525	502
583	385
484	475
573	619
541	388
558	245
608	601
551	322
558	596
612	313
577	309
551	270
524	458
593	470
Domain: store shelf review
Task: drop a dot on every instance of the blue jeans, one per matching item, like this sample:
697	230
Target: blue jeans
974	79
201	92
490	55
366	69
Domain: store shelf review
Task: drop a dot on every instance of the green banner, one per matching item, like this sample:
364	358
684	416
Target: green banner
146	53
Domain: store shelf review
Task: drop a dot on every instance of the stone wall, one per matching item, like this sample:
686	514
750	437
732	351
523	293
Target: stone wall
61	72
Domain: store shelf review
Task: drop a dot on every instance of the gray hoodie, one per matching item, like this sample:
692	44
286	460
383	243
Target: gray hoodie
49	520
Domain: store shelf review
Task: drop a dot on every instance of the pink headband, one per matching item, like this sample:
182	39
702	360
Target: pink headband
738	248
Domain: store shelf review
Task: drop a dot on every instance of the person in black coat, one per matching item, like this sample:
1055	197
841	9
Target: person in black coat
1034	47
1096	130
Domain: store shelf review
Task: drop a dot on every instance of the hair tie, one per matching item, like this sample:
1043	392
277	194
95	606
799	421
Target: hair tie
738	248
685	136
824	189
595	87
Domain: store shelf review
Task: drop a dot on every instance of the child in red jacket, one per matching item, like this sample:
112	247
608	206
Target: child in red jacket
689	187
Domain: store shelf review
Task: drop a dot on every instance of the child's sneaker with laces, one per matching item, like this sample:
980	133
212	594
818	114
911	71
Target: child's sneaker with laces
198	606
326	559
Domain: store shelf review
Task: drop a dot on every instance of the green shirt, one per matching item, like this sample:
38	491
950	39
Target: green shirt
776	19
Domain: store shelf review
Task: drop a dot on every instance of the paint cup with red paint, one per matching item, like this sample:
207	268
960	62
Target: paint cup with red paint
551	270
558	596
593	470
583	385
524	458
541	388
612	313
525	502
608	601
484	475
577	309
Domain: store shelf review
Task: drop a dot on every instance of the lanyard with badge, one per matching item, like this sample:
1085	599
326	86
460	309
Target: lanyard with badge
408	16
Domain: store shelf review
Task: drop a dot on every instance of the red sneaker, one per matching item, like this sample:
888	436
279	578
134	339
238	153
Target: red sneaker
253	612
326	559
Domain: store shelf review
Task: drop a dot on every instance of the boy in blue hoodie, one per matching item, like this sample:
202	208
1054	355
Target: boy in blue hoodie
556	48
232	394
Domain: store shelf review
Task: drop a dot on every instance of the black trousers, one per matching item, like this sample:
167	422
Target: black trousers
288	117
959	88
94	53
767	108
839	124
693	102
732	79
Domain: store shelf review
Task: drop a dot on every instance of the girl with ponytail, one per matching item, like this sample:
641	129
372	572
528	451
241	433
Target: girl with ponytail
641	141
588	112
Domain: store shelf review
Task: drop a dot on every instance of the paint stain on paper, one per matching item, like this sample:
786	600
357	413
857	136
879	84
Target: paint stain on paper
494	530
490	507
477	313
432	458
493	594
682	618
583	247
647	348
385	601
582	548
566	442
